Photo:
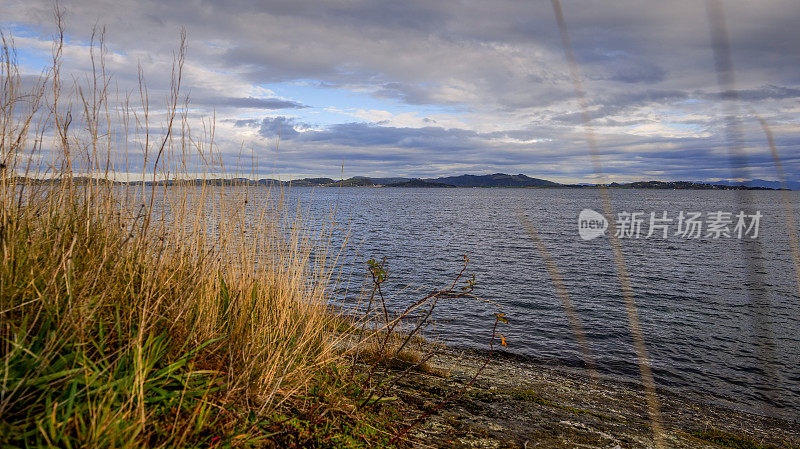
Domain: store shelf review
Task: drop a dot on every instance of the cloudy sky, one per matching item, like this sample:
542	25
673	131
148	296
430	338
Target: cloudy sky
423	88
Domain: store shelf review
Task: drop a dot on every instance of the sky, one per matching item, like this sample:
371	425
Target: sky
428	89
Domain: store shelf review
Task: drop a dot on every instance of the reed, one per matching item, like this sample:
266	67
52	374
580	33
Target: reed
165	312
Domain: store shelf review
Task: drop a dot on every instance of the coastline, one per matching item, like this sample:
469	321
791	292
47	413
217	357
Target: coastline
519	403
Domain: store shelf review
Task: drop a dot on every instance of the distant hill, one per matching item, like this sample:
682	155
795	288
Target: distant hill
792	185
356	181
495	180
387	181
311	182
682	185
420	183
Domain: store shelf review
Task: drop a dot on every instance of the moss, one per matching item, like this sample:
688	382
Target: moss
729	440
530	396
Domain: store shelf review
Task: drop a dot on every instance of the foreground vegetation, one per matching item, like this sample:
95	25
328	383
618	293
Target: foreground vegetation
188	315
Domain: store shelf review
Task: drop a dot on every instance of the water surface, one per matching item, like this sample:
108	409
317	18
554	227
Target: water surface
705	332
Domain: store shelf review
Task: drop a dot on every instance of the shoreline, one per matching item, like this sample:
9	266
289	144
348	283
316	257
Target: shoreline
628	380
522	403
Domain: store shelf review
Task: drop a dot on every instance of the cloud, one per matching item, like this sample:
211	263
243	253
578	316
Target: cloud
441	88
248	103
285	127
766	93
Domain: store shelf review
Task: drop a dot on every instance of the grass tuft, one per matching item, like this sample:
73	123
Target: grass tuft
160	313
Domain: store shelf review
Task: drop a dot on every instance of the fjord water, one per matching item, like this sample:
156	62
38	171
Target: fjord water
705	333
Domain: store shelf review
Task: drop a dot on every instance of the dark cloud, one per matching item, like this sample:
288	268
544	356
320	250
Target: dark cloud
246	122
648	71
764	93
639	73
248	103
362	134
366	135
272	127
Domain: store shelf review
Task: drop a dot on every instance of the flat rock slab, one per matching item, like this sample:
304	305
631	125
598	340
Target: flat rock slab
516	403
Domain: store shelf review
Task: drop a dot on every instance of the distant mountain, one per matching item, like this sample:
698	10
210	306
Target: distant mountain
311	182
420	183
681	185
495	180
792	185
356	181
387	181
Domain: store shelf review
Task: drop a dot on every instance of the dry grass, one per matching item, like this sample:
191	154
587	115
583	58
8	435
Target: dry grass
412	356
147	315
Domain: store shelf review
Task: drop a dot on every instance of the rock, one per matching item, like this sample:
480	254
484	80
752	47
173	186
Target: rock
519	404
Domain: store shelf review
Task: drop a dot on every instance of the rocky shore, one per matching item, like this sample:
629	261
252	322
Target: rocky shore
519	404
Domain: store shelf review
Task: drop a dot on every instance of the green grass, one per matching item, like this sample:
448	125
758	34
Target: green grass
726	439
530	396
124	325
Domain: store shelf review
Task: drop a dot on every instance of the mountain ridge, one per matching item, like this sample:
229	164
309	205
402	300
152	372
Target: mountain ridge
495	180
